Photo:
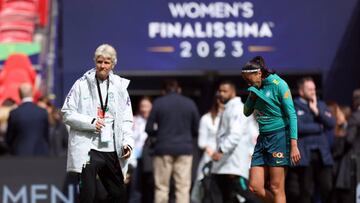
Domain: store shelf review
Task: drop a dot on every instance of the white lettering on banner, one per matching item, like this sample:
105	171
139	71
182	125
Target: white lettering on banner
8	195
212	20
185	49
210	29
203	49
219	49
37	192
35	195
219	10
57	193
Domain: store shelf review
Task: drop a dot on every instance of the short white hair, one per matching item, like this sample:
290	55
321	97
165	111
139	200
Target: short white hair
107	51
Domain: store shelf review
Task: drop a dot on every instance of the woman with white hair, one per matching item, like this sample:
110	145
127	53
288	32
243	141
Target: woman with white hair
98	111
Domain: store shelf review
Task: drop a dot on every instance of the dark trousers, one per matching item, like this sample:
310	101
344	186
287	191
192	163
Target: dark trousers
141	181
316	175
106	166
232	185
148	182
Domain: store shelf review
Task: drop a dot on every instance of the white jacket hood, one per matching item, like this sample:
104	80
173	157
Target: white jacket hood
80	108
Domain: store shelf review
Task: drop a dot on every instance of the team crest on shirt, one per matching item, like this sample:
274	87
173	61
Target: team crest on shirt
267	94
276	82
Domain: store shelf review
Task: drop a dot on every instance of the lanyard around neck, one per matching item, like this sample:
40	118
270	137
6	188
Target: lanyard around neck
103	107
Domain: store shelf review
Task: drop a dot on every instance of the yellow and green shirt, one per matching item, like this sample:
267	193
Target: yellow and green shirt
274	107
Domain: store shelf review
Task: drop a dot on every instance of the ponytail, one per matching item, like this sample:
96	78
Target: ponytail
255	64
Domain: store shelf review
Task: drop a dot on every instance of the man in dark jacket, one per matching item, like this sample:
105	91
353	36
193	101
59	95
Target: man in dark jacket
315	166
173	122
28	128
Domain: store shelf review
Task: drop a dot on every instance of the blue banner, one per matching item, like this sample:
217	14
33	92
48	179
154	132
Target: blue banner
178	35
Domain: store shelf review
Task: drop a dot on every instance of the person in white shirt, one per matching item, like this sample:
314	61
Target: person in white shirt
140	119
231	160
208	126
138	193
98	111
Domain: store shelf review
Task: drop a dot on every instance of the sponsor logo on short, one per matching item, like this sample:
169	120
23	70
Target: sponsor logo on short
278	155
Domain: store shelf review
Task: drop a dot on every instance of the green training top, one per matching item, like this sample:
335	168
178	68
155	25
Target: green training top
274	107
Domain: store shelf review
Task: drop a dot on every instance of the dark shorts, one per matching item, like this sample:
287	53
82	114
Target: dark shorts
272	149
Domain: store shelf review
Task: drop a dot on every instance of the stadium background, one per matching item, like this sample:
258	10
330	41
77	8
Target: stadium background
297	38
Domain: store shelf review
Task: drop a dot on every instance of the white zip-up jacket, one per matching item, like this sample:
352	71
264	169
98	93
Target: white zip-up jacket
234	140
79	110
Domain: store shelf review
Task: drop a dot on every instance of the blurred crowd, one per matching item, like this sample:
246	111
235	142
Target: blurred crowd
32	128
328	135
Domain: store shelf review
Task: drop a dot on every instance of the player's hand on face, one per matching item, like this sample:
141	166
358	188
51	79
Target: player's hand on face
253	96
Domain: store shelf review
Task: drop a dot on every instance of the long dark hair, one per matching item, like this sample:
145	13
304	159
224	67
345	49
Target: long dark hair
256	63
214	110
